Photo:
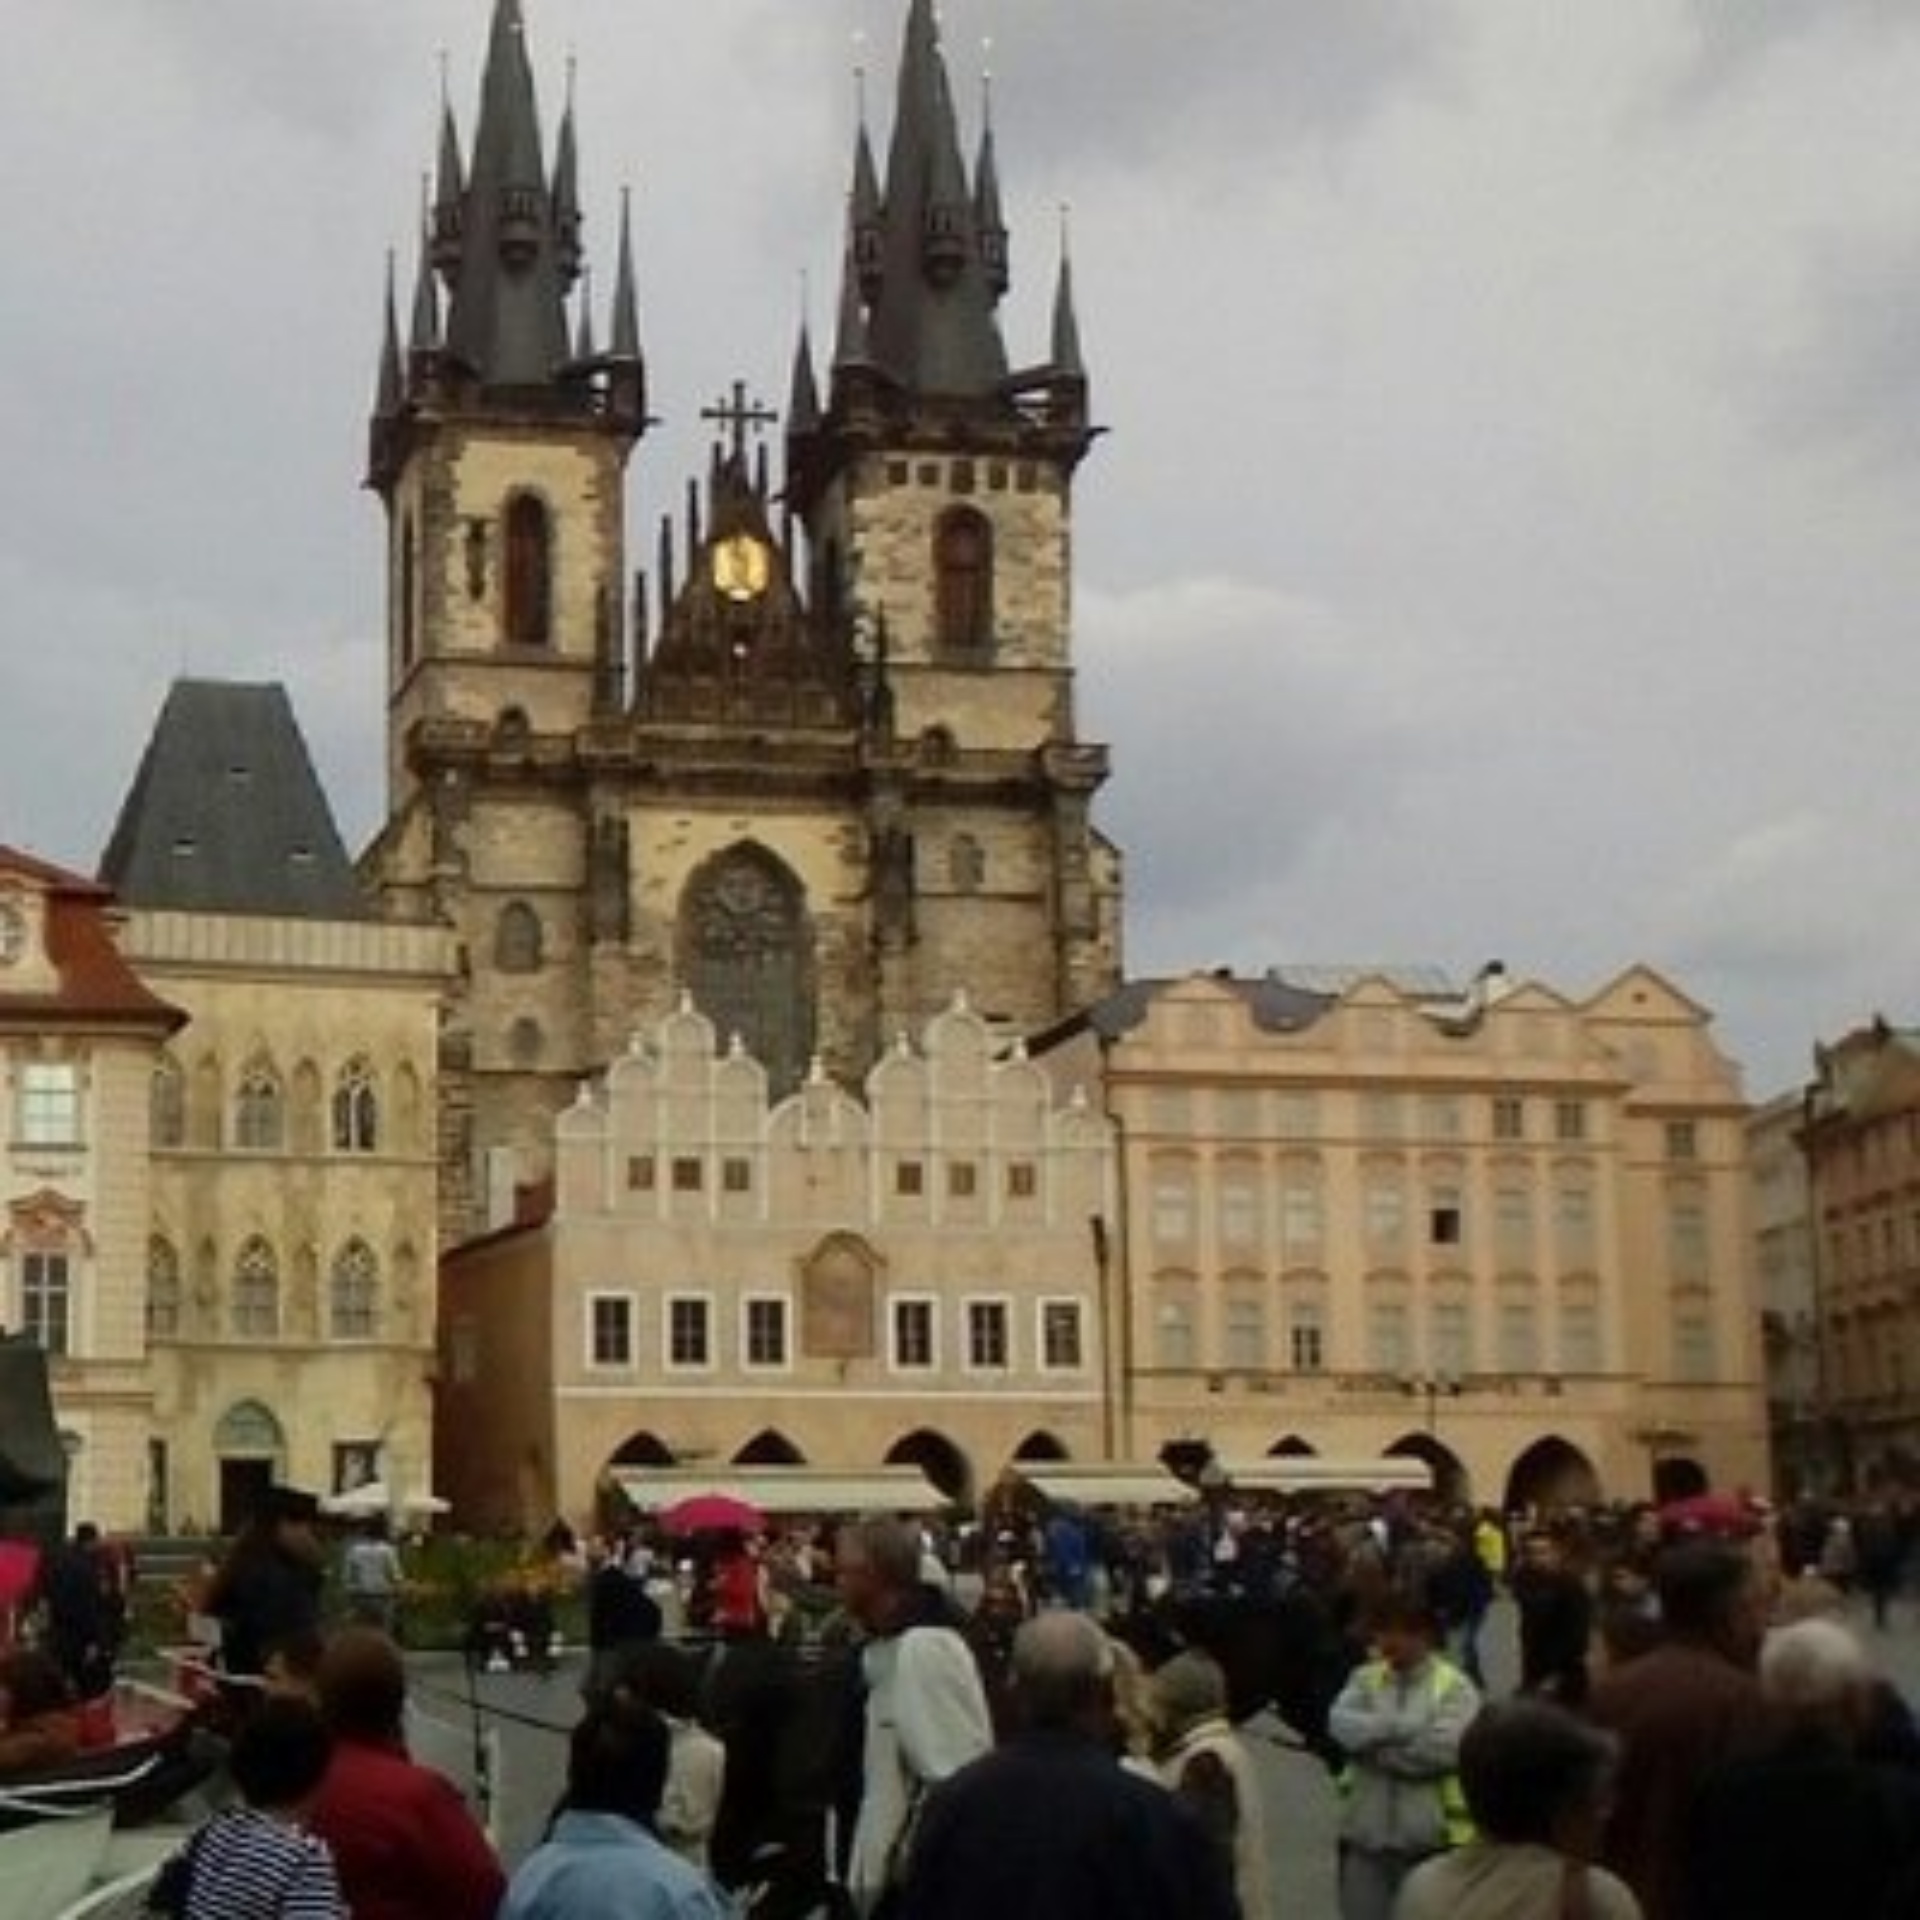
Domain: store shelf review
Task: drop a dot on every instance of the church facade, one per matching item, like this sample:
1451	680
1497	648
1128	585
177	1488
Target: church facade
820	768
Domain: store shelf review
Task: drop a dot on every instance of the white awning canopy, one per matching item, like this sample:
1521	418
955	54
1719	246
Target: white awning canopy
1104	1484
823	1490
1329	1473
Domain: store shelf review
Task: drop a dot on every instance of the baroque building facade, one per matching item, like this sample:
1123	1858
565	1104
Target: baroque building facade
823	768
80	1033
288	1254
1501	1230
720	1274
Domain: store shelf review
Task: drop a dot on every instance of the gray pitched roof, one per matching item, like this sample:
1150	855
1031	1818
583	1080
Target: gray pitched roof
226	814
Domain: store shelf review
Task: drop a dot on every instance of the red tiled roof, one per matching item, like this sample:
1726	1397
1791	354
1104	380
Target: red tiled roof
92	978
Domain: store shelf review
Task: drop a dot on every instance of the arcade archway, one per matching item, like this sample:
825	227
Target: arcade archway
1041	1445
641	1449
1551	1473
937	1457
1678	1477
769	1448
1452	1485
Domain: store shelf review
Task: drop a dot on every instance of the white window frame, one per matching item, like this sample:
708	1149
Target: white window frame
1004	1304
59	1097
1078	1307
59	1284
692	1297
622	1296
784	1302
931	1302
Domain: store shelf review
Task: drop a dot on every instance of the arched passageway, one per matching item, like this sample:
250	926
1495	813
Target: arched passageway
769	1448
1452	1486
1551	1473
1678	1477
1041	1445
1291	1447
641	1449
937	1457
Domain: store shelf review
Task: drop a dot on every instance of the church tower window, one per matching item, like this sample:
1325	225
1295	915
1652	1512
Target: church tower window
963	581
356	1109
746	957
517	942
529	621
256	1292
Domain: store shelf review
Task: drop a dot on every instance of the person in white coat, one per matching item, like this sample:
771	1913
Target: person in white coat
1201	1759
926	1710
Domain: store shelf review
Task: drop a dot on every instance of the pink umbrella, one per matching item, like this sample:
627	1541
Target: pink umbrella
1724	1515
712	1513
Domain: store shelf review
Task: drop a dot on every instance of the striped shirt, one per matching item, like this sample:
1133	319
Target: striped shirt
249	1866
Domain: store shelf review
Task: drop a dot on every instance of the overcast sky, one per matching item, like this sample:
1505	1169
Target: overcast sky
1505	539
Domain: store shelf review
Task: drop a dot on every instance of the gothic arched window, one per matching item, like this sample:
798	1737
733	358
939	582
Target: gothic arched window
529	611
517	941
353	1295
163	1289
746	956
260	1109
256	1292
963	581
169	1114
356	1108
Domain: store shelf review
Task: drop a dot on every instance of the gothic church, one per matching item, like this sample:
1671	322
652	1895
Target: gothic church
821	768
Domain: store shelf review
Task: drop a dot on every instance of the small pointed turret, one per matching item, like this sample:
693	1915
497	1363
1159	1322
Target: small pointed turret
851	347
388	389
566	195
583	347
988	221
423	331
626	301
803	393
867	222
449	197
1066	322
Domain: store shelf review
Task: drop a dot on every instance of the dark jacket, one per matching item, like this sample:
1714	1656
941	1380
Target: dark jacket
1680	1711
264	1598
1801	1828
1051	1827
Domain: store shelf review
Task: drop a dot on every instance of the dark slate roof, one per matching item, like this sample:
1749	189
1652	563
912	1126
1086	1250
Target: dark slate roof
1276	1007
226	814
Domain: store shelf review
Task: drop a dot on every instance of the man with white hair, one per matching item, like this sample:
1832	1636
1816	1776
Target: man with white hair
1050	1826
1804	1824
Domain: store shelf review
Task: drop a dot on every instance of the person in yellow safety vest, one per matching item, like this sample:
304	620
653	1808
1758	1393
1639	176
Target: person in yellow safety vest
1399	1718
1490	1543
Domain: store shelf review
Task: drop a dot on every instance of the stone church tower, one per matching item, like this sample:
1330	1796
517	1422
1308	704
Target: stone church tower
818	773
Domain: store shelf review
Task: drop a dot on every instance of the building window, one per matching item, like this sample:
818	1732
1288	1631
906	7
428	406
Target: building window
610	1330
517	939
909	1179
356	1109
259	1110
1569	1120
966	864
736	1174
688	1173
1023	1180
1060	1344
1440	1118
163	1290
1509	1117
766	1333
1519	1337
354	1293
1693	1357
1450	1339
1246	1334
689	1331
913	1333
1580	1335
1172	1211
1297	1116
1173	1332
529	609
1683	1140
1300	1216
1513	1222
963	580
987	1345
1573	1223
1689	1248
963	1179
1386	1213
46	1301
640	1172
1444	1218
256	1293
1388	1348
169	1110
49	1104
1239	1214
1306	1337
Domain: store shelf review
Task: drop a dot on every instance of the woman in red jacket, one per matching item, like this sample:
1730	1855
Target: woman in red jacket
402	1837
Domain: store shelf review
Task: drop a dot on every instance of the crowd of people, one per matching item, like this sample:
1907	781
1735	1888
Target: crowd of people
1034	1714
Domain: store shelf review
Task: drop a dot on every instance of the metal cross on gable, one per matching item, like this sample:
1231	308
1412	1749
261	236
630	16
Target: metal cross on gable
737	414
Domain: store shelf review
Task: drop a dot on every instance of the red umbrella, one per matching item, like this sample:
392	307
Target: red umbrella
712	1513
19	1563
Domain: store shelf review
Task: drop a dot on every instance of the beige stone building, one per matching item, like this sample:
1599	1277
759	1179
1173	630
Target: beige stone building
822	768
287	1251
913	1277
79	1036
1503	1230
1861	1139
